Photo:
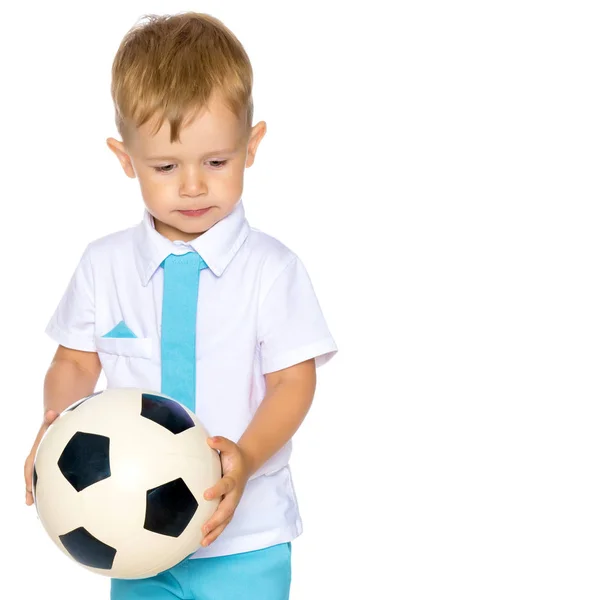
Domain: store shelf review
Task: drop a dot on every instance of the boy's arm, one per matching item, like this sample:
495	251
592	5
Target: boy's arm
72	375
288	398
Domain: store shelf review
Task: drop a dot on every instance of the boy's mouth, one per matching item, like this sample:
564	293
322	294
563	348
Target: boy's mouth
194	213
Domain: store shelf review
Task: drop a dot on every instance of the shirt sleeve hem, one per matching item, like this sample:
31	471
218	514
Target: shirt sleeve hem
322	352
71	340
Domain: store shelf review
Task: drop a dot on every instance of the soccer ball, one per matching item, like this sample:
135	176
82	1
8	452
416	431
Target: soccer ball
119	480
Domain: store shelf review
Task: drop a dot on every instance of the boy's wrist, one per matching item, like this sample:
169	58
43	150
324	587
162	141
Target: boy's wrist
249	457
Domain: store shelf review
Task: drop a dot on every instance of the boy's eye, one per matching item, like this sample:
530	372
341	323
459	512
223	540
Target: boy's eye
164	169
217	164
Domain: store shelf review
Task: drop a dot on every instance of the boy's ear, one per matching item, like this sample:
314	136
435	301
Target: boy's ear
256	135
119	149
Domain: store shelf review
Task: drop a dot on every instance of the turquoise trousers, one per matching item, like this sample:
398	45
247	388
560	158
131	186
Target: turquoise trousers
258	575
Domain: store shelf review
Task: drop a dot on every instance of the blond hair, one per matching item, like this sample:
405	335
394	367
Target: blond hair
169	66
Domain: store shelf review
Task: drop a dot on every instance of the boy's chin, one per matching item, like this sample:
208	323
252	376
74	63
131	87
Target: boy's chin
175	229
196	225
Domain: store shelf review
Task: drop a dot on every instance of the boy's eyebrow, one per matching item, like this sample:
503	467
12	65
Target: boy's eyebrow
212	153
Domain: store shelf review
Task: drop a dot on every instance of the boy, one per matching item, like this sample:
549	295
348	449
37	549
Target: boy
233	329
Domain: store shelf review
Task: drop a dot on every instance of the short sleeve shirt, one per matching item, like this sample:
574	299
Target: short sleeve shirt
257	313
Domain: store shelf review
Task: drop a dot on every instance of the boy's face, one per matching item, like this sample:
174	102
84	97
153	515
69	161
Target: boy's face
190	185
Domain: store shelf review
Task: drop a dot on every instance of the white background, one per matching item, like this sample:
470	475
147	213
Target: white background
435	165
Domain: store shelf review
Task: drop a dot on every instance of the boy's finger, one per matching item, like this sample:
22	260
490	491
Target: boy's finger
223	444
222	488
223	514
28	472
215	533
28	484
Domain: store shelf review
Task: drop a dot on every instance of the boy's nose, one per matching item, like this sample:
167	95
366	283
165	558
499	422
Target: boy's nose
193	185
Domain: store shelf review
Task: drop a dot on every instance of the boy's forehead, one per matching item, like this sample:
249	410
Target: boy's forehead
212	128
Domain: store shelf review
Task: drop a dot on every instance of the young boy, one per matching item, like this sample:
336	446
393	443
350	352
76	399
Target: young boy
233	329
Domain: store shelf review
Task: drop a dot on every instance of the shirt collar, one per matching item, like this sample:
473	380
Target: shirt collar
217	246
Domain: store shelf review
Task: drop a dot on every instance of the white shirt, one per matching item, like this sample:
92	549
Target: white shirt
257	313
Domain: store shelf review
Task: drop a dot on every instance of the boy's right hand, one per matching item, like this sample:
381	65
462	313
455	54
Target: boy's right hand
49	417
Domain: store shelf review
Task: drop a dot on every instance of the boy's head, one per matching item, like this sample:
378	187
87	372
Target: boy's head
182	90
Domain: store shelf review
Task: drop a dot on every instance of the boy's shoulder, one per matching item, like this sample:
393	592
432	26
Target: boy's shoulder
272	254
111	243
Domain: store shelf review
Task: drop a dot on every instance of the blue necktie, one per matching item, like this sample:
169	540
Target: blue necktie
178	331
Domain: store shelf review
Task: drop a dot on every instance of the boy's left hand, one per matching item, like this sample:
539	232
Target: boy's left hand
236	473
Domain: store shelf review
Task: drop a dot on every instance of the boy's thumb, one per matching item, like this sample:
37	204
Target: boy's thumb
49	417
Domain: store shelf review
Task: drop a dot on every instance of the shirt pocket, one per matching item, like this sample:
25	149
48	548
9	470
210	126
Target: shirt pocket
131	347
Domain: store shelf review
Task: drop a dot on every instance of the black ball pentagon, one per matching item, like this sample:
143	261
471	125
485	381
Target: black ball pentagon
85	460
166	412
87	549
169	508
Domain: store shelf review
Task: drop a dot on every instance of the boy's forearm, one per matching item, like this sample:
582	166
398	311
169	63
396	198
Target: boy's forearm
65	383
278	417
